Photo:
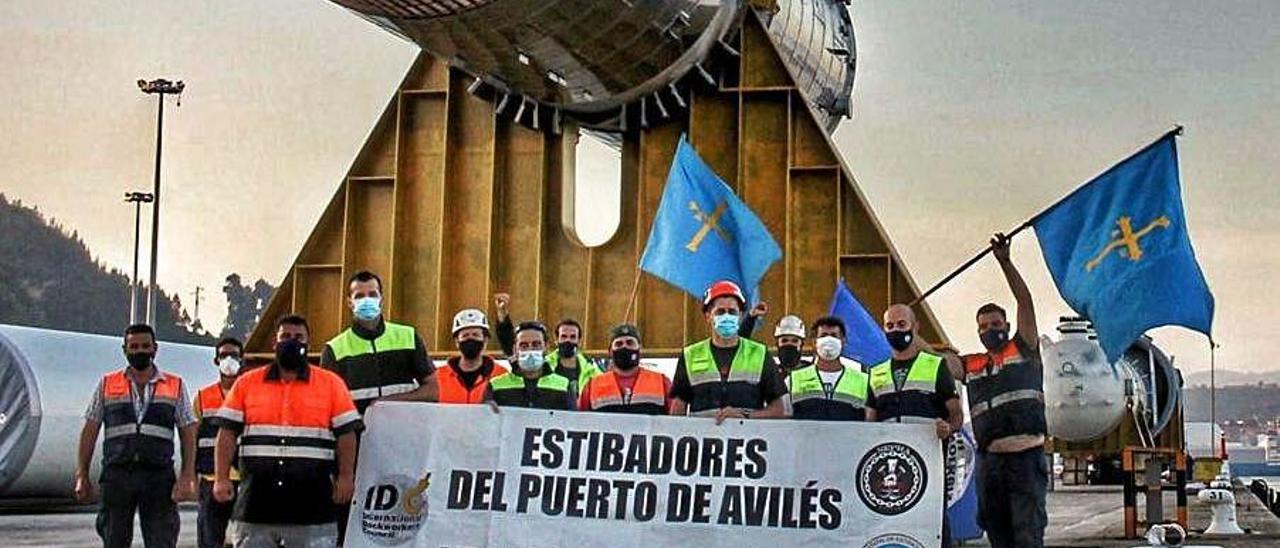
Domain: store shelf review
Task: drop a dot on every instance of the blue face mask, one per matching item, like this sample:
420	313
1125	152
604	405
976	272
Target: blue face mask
726	325
529	360
368	308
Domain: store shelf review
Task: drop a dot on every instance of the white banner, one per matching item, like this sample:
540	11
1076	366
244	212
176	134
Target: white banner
440	475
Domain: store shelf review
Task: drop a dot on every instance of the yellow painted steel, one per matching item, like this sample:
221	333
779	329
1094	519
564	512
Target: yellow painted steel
451	203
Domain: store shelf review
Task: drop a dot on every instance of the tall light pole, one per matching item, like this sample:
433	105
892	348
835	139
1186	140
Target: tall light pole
159	87
137	199
195	321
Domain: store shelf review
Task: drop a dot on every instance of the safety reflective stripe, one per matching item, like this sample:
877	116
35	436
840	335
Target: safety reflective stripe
603	401
840	397
851	388
155	431
636	399
116	431
806	396
739	375
228	413
647	398
144	429
380	391
393	389
365	393
286	452
849	399
918	386
1007	397
345	419
288	431
206	442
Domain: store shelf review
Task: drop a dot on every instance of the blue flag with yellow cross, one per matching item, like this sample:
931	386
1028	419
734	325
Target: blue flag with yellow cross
1120	254
704	233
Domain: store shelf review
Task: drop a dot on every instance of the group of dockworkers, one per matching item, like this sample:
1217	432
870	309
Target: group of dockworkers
272	449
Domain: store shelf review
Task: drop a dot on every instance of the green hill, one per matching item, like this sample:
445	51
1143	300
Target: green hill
49	279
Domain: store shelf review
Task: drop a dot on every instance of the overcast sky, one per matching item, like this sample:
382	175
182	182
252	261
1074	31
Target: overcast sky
969	117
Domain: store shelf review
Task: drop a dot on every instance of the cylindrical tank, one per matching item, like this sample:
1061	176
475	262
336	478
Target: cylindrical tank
591	60
1086	397
46	380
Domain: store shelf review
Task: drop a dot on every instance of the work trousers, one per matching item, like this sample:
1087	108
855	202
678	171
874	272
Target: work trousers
265	535
212	517
146	491
1011	492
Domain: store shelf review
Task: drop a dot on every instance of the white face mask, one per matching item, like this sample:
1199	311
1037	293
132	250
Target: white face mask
529	360
229	366
828	347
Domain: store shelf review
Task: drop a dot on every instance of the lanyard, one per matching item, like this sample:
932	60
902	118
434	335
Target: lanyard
143	401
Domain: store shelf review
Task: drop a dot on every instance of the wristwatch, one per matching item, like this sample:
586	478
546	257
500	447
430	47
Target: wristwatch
746	413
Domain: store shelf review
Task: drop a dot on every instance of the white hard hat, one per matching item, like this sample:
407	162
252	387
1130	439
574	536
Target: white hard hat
789	325
469	317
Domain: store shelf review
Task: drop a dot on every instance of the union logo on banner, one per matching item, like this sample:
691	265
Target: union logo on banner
892	478
394	509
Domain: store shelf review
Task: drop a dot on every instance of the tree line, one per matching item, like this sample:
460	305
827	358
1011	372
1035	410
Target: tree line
50	279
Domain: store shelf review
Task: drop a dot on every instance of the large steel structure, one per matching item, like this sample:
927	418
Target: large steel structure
465	185
611	63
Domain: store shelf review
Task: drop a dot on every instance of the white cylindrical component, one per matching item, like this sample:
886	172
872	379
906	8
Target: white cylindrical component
46	380
1084	394
1086	397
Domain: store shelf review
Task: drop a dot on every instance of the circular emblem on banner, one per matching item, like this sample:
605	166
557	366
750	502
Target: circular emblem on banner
891	478
392	510
893	540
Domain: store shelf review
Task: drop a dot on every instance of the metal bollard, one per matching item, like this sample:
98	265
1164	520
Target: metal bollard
1223	503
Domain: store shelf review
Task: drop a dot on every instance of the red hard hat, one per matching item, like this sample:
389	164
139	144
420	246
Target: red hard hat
722	288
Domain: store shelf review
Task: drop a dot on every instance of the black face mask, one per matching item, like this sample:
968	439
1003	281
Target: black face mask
567	349
994	339
140	360
471	348
626	359
788	356
899	340
291	354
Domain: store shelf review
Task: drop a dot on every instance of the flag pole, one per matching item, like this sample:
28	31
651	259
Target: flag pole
969	263
1177	130
635	290
1213	386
